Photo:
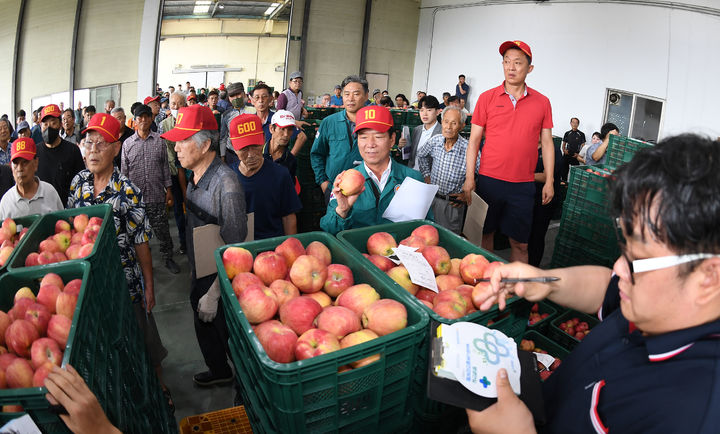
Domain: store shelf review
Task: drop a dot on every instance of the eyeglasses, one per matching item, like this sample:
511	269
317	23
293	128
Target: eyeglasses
99	146
652	264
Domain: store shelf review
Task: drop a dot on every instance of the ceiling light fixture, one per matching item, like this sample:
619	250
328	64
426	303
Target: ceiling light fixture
202	7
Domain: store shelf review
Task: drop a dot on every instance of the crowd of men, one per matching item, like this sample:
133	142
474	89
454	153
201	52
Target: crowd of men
216	155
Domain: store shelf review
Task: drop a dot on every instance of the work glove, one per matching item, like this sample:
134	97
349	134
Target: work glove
208	304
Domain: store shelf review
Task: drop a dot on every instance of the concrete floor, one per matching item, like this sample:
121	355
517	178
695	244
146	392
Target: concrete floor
175	324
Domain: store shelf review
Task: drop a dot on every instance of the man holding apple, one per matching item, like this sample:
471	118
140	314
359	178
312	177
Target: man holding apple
651	364
382	176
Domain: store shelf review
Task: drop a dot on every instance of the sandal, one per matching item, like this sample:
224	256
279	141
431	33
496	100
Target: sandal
168	397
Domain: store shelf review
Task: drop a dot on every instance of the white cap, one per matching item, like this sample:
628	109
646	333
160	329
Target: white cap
283	118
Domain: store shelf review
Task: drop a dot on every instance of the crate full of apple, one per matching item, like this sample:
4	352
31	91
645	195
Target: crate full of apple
312	327
535	342
12	231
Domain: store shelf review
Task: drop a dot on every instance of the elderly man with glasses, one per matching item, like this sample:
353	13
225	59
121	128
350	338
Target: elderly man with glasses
651	364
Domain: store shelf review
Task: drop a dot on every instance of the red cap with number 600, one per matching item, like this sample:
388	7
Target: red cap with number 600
246	130
106	125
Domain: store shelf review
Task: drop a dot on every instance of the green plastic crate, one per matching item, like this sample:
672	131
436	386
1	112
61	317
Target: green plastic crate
413	118
45	227
399	116
320	112
565	340
310	395
588	186
622	149
457	247
26	222
544	343
542	325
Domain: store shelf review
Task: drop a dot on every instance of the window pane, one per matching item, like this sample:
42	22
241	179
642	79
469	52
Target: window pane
619	109
646	123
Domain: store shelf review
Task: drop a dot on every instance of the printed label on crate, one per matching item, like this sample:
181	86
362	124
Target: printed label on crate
473	354
545	359
421	273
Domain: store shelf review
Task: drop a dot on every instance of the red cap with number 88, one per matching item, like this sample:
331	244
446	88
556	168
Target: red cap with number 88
106	125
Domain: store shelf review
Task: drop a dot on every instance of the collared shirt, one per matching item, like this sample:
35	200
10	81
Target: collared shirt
512	131
336	100
574	140
335	148
227	116
145	163
45	200
5	155
383	177
59	165
132	225
616	379
589	154
287	159
221	200
512	97
72	138
426	134
465	87
446	169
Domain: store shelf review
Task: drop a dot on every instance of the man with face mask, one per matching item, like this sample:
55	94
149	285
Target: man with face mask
236	95
177	172
269	190
58	160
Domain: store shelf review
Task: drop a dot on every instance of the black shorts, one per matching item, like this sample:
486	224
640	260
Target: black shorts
510	206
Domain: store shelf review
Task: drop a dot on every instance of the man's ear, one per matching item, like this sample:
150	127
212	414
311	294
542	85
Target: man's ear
530	69
708	289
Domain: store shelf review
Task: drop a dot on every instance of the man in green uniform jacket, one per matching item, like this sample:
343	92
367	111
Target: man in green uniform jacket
382	176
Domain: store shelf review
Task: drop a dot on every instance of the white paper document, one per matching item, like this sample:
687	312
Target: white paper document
421	273
411	202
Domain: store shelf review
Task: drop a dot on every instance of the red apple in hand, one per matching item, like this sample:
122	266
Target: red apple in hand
350	182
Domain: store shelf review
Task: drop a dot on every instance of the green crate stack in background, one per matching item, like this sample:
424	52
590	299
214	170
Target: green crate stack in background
311	195
622	149
108	349
512	322
320	112
24	222
310	395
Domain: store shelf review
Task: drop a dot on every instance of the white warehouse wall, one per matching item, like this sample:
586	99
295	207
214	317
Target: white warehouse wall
664	53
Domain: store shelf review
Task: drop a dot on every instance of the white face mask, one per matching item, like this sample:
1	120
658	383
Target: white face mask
174	113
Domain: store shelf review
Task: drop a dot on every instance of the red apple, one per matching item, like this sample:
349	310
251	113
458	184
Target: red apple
466	291
385	316
61	225
47	296
308	274
323	299
45	350
258	303
20	336
32	259
401	275
243	280
80	222
278	340
65	304
472	267
438	258
39	316
358	338
95	221
428	233
381	243
315	342
381	262
357	298
52	279
447	281
455	267
269	267
9	227
6	359
59	329
299	313
24	292
89	236
414	241
62	239
351	182
320	251
339	278
290	249
41	374
19	308
46	258
73	287
5	253
338	320
73	251
237	260
49	245
76	238
5	321
426	294
19	374
284	291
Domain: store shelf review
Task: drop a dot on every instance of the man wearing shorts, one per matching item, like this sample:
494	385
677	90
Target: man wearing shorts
512	117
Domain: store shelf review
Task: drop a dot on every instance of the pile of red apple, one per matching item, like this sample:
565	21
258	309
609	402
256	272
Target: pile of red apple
601	172
301	305
458	294
34	332
9	237
535	315
575	328
68	242
529	345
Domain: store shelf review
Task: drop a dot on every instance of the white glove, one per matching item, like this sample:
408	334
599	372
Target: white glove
208	304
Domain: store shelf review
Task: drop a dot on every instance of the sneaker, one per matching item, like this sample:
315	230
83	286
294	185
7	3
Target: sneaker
172	266
207	378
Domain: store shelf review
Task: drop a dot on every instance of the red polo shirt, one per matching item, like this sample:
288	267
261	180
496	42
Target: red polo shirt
511	133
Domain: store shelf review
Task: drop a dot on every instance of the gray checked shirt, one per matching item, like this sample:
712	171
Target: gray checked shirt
145	163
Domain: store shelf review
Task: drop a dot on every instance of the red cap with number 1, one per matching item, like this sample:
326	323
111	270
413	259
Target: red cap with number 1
106	125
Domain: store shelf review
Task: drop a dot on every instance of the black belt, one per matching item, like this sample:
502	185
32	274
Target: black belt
444	196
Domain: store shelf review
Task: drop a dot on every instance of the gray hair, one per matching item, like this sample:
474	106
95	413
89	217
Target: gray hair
117	110
463	115
355	79
203	136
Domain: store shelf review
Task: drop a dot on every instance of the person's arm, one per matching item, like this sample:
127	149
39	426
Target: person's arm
508	415
548	153
145	260
223	135
462	89
233	216
289	223
471	156
124	160
600	151
281	102
318	156
425	160
167	180
563	147
182	180
540	177
84	413
581	288
299	142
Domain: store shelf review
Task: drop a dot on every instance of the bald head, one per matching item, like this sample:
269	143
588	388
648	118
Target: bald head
177	100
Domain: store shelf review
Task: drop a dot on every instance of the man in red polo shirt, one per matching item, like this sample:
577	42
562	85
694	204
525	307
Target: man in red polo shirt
513	117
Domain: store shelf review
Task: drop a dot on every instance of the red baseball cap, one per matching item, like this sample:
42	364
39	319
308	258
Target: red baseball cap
50	110
246	130
222	86
190	120
106	125
150	99
375	117
24	147
525	48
